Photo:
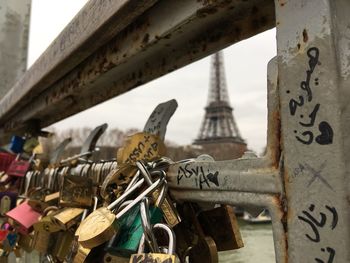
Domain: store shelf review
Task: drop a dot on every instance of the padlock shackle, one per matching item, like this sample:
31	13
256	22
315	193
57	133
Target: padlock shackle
138	199
144	171
171	235
125	194
147	226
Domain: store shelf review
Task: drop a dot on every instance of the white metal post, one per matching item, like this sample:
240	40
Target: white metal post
313	40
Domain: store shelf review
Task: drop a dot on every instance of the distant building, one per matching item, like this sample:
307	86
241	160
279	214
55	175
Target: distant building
219	135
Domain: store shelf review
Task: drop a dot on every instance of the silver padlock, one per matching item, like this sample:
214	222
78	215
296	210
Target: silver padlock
168	256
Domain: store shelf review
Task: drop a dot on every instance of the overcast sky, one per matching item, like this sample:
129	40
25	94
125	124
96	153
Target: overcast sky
245	65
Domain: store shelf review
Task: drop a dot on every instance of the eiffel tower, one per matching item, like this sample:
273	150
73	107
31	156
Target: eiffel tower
219	135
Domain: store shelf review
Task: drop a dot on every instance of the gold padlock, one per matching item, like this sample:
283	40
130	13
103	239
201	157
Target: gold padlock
76	191
102	223
3	256
82	254
26	242
119	177
221	224
79	253
43	238
67	217
41	204
141	146
17	251
62	245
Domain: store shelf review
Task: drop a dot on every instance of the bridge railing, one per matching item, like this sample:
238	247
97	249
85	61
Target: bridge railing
111	47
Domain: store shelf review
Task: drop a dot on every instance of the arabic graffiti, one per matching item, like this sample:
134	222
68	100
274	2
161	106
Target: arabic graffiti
305	98
317	222
331	255
201	177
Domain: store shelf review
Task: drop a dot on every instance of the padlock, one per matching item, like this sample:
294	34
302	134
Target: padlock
65	218
26	242
171	215
30	144
204	247
10	241
117	178
102	224
45	201
16	144
18	168
6	160
17	251
82	254
126	223
78	253
3	256
38	193
5	229
76	191
24	216
7	201
62	244
141	146
129	238
169	257
221	224
43	239
3	234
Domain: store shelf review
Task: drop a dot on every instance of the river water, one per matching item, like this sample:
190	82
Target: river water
258	245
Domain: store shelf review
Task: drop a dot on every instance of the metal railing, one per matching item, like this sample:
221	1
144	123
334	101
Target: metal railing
304	178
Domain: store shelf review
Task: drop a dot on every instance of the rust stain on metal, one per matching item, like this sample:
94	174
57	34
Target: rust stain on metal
282	2
203	12
281	203
305	36
276	133
212	7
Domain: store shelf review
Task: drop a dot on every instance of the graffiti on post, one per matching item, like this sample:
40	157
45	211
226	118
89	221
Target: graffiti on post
307	133
202	177
327	218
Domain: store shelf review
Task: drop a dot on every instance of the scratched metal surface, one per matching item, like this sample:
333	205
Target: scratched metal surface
14	27
314	68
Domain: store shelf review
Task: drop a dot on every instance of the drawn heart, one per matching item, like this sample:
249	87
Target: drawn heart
213	178
326	136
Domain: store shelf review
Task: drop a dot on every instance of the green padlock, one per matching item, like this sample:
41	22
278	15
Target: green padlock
129	238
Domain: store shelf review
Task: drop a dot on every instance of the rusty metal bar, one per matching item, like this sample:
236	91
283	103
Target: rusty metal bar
167	36
93	26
